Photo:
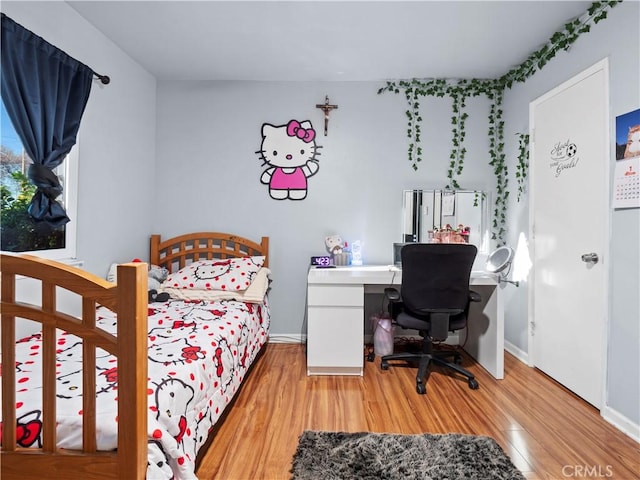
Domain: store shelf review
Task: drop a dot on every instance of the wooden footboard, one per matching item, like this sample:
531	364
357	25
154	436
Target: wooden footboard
174	253
129	300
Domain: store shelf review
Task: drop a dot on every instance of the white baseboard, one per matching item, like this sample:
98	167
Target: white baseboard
615	418
621	422
287	338
517	352
301	338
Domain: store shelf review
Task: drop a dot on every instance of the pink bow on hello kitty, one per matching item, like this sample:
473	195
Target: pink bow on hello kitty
294	129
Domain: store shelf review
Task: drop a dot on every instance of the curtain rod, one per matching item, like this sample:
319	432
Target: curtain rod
103	78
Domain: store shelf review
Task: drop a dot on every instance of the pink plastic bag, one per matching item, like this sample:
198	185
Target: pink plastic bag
382	334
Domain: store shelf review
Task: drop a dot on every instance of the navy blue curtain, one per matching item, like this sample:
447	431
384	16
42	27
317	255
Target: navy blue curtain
45	92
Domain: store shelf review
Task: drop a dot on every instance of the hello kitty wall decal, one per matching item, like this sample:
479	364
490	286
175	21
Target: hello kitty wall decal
290	153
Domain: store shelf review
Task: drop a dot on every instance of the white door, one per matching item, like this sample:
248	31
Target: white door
569	218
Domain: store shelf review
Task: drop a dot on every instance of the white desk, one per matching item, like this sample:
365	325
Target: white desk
335	318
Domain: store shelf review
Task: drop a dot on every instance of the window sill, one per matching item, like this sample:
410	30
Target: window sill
73	262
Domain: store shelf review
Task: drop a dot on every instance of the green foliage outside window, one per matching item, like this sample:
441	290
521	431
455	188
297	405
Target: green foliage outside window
19	232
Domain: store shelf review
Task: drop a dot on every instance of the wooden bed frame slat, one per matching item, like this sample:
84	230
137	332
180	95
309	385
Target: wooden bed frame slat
48	387
89	380
48	368
8	358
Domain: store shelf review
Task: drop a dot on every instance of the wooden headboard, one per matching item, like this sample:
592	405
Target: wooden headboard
177	252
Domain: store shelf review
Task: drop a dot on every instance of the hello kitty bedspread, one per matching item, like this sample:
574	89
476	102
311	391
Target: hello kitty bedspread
199	353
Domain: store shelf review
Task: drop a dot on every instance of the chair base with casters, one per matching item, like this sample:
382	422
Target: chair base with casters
425	358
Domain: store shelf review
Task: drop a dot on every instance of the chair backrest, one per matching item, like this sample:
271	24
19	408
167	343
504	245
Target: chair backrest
435	276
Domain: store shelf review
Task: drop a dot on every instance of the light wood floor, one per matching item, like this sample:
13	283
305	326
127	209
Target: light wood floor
548	432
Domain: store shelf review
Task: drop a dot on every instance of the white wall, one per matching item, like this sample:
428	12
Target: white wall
208	173
116	140
618	38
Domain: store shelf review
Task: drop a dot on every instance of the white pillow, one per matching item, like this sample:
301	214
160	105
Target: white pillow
112	276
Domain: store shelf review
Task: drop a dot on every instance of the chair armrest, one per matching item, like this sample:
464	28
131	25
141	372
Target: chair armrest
392	294
474	296
394	307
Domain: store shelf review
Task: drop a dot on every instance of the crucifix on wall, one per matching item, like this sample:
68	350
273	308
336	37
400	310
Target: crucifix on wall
326	108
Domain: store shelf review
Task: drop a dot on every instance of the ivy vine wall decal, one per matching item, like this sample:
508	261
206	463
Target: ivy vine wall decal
461	89
522	168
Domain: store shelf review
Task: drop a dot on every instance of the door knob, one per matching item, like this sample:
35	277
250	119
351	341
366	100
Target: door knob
590	258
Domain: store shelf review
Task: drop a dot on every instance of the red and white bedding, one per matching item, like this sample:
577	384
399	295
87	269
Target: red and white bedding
199	353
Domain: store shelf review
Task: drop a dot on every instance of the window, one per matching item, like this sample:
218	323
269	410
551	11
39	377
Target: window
19	232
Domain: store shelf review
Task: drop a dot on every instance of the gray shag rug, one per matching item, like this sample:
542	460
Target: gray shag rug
380	456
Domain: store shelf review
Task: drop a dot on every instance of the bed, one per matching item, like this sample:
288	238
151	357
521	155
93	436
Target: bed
79	416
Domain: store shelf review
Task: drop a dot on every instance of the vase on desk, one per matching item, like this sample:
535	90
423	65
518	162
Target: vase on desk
341	259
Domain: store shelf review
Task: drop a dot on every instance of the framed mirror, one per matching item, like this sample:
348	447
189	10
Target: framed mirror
427	213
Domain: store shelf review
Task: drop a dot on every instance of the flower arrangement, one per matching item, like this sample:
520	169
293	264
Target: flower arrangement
448	234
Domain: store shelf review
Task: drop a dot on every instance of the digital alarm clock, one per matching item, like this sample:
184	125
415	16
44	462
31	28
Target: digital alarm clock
321	261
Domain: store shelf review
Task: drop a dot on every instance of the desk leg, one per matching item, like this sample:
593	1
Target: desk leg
485	330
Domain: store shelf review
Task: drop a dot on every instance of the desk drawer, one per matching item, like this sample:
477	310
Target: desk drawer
335	295
335	339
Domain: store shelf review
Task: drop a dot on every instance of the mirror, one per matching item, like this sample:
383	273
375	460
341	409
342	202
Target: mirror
500	260
426	213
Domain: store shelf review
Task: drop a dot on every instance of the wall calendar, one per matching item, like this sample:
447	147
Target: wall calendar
626	180
626	183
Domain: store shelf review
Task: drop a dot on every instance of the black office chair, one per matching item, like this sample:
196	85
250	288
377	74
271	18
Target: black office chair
434	299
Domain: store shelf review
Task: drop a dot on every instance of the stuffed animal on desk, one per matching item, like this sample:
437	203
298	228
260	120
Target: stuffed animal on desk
334	244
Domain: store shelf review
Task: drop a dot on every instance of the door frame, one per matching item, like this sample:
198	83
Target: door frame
606	254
